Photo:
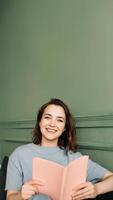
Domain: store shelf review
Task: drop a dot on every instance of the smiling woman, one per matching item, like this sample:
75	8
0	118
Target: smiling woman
52	125
56	116
54	140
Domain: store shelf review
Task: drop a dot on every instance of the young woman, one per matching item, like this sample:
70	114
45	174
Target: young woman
53	139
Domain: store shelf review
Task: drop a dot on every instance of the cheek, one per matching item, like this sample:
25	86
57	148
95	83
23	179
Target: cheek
63	128
40	125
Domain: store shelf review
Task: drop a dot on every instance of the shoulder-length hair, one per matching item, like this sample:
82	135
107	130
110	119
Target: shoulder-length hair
67	140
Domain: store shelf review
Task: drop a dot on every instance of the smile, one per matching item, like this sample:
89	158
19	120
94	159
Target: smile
51	130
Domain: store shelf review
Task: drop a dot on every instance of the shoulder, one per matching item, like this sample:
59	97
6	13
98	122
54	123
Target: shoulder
73	156
21	150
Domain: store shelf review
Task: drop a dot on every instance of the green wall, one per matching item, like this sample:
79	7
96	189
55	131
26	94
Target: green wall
61	49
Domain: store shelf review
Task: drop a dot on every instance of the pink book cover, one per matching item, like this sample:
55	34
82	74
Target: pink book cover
59	180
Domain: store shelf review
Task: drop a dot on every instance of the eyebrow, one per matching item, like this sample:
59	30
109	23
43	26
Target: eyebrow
60	117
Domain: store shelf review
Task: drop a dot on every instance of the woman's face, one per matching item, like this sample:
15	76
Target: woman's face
52	125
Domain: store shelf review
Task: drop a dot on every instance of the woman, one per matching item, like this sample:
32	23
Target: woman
53	139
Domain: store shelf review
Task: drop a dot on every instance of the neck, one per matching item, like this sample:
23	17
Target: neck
46	144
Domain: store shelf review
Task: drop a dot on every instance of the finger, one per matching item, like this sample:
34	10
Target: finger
27	194
31	192
28	191
39	182
83	193
29	188
82	197
80	186
36	182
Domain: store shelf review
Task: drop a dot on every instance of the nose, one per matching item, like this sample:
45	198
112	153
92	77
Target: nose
52	122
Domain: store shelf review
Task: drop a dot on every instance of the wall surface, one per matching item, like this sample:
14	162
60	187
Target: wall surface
94	135
58	49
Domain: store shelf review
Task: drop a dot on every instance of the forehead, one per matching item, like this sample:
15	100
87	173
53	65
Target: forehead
54	110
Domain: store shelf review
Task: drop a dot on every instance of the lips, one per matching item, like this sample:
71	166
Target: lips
51	130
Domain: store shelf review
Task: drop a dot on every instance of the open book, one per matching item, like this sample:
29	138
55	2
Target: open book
59	180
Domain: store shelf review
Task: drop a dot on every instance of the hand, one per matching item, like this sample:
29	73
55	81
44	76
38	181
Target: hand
84	191
30	188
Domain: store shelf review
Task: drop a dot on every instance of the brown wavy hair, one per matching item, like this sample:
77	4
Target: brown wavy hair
67	140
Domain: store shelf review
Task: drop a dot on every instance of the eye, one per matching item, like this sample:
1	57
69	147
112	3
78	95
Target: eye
60	120
47	117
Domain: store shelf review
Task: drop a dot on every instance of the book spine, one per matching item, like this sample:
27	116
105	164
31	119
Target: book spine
63	184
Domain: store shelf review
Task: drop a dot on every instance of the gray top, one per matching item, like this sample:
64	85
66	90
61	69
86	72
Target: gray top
20	164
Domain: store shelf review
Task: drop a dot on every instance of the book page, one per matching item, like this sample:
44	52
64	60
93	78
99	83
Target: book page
51	174
76	174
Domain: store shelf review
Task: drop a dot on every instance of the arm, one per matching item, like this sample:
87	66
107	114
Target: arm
14	195
106	184
29	189
88	190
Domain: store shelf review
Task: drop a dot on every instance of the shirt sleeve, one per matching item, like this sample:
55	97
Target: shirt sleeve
14	173
95	172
